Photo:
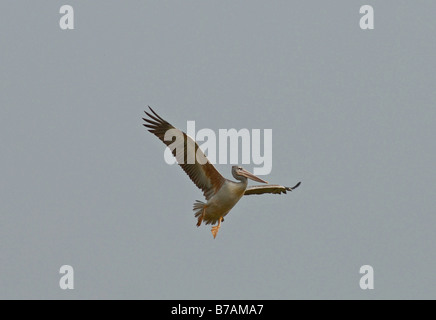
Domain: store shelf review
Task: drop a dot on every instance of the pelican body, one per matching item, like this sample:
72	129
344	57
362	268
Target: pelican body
221	194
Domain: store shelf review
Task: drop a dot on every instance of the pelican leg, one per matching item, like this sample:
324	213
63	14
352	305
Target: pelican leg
216	228
200	218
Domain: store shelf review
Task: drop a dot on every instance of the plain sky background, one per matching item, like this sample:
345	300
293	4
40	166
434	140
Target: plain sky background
83	183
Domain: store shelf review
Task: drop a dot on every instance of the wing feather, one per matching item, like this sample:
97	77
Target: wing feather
205	176
269	188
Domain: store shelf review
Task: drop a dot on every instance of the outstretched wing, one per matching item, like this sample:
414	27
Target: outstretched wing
204	174
269	188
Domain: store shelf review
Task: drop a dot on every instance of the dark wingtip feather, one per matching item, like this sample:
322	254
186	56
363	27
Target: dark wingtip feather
155	114
149	115
296	186
157	118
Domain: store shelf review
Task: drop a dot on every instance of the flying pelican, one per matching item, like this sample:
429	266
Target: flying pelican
221	194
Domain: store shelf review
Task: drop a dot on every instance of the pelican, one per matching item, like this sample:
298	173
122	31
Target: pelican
221	194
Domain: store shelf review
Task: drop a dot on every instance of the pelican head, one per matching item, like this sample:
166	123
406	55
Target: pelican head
241	174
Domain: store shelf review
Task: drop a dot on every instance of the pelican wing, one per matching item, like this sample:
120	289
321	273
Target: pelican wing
205	176
269	188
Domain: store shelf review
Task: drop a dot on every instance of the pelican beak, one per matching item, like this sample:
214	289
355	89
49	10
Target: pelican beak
251	176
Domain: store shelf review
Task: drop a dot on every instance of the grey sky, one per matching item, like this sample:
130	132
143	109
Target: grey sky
352	113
